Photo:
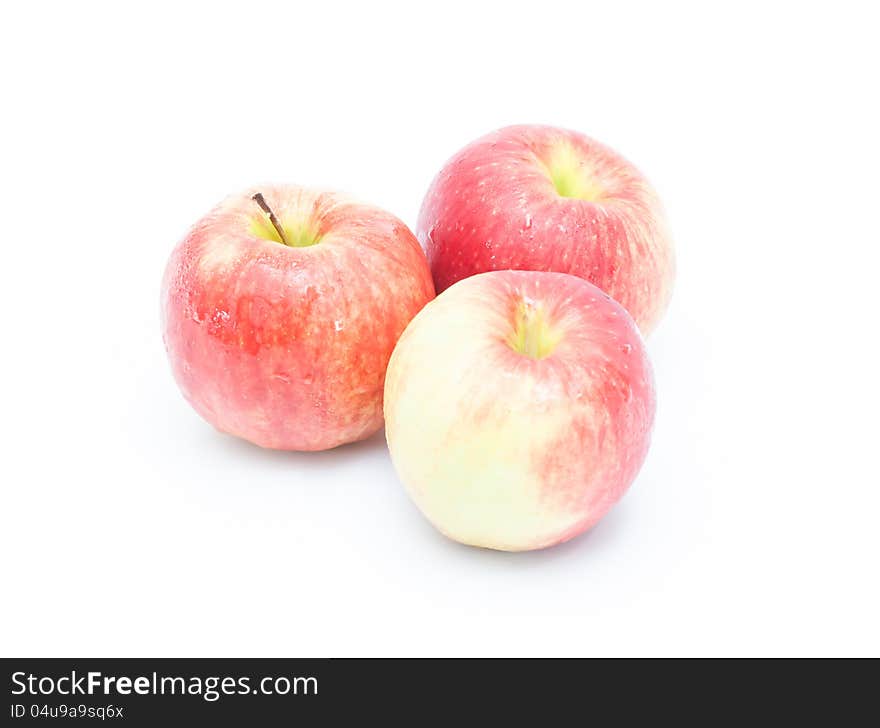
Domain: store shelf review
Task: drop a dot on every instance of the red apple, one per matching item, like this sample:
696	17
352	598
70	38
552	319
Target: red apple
280	310
547	199
518	408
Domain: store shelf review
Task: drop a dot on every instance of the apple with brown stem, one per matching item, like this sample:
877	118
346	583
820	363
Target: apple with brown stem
280	309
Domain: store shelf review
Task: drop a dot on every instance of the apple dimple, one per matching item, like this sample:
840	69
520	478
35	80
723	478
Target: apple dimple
571	174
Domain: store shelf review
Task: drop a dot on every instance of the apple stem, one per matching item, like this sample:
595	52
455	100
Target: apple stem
531	339
264	206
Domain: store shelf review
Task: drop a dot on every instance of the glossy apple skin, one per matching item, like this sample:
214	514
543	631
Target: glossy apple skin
509	452
494	206
283	346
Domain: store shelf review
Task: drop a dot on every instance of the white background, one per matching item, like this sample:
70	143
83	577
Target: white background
129	527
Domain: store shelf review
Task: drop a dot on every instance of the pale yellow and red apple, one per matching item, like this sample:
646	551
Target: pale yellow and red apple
280	310
518	408
548	199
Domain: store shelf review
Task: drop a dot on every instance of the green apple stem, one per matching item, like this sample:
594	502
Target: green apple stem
532	333
264	206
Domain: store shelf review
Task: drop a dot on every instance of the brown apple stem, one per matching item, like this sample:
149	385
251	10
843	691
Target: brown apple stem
264	206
